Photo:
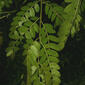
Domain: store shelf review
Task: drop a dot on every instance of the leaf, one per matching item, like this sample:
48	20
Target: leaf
53	38
25	8
32	33
60	46
53	53
9	53
23	30
43	36
57	22
44	40
50	13
15	23
64	29
36	44
34	50
27	35
73	31
62	38
36	7
34	68
32	12
69	9
54	66
53	59
17	18
43	33
49	28
48	78
56	80
37	82
20	13
55	73
33	18
16	35
36	28
13	28
52	46
28	23
27	15
46	9
53	17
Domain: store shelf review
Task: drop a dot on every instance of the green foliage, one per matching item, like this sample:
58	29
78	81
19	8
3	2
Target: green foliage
5	3
54	12
40	42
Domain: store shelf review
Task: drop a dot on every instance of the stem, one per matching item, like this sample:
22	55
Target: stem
7	12
5	16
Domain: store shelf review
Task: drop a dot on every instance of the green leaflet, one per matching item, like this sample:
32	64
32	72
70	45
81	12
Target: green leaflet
15	23
32	33
55	66
33	53
48	78
36	7
27	15
52	46
56	81
54	59
43	32
57	21
13	29
14	35
17	18
24	8
73	31
65	29
33	18
47	74
11	50
58	9
36	28
28	23
37	45
53	38
6	4
9	53
46	9
37	82
69	9
53	17
53	53
49	28
43	36
27	35
50	13
20	13
34	50
32	12
23	30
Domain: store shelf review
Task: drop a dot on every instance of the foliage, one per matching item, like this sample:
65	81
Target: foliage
5	3
40	42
